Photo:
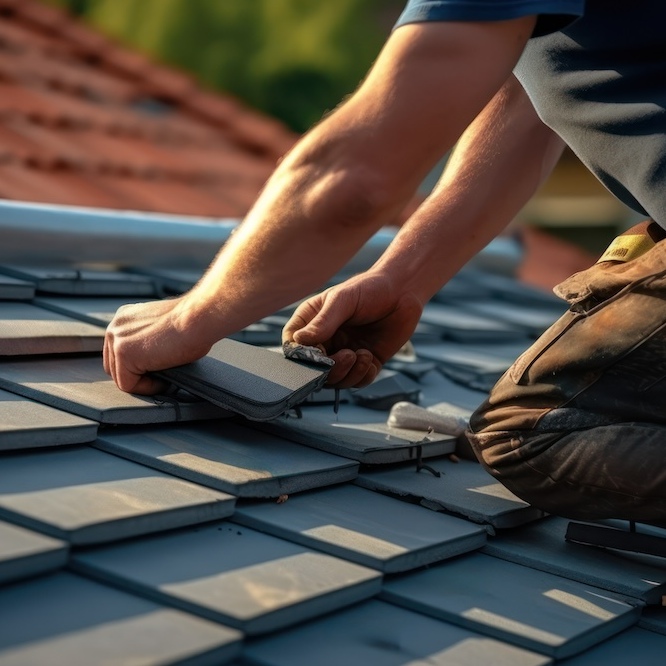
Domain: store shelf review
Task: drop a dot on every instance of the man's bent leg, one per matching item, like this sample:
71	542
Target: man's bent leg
577	426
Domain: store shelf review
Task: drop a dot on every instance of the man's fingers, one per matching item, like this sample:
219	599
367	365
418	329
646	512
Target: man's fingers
147	385
352	369
319	319
302	318
106	362
139	384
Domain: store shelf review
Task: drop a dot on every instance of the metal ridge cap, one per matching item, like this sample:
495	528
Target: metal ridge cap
58	234
39	233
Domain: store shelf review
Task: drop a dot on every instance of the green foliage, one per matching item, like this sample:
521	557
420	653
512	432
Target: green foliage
294	59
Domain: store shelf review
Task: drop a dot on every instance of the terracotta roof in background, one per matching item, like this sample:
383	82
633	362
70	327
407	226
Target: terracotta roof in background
87	122
548	260
84	121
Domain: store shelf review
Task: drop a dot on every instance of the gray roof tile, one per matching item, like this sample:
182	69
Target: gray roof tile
79	385
67	619
92	309
654	619
382	634
25	553
87	496
456	324
633	646
258	383
27	329
230	457
508	289
436	388
463	488
475	365
234	575
64	280
15	289
358	433
544	613
351	522
174	280
543	547
27	424
532	318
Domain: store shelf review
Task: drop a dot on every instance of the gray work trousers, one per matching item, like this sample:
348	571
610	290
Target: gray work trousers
577	426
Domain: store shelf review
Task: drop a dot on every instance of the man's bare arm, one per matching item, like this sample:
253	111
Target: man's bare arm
498	164
347	177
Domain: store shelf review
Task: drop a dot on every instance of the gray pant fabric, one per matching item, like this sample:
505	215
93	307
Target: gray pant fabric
577	426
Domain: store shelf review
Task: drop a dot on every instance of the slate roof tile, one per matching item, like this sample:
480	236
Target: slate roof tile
230	457
360	434
543	547
93	309
87	496
26	424
14	289
631	644
545	613
352	523
462	487
26	329
68	619
233	575
24	553
64	382
382	634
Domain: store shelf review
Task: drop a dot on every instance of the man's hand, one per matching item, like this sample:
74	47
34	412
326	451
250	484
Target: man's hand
361	323
147	337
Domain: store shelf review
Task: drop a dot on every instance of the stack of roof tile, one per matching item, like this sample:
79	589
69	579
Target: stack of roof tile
86	122
166	530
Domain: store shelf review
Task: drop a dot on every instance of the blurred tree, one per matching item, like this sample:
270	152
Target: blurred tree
294	59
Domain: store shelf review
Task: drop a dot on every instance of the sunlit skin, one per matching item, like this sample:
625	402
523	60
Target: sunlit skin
433	85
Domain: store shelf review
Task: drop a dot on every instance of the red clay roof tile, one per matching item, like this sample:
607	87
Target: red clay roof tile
85	121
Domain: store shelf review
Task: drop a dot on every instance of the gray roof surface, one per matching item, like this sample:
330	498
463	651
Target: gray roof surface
166	530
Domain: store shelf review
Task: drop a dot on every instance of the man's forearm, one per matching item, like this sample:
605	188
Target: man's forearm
498	164
355	171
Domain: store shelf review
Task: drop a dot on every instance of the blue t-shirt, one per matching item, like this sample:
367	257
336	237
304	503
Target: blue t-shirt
552	14
599	81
